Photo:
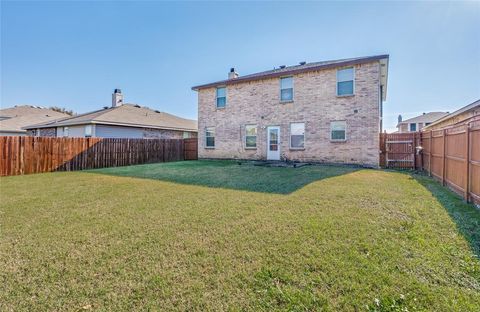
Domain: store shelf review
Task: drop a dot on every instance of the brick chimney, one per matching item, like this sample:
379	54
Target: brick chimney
232	74
117	98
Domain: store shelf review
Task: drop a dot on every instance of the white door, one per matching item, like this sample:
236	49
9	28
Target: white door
273	143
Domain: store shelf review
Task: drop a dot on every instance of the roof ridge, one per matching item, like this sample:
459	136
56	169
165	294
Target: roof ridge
294	69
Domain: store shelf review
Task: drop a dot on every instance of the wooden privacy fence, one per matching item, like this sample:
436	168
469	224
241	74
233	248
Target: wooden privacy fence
452	155
398	150
190	149
24	155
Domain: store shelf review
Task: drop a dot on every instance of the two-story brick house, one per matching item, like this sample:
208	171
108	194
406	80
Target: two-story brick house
327	111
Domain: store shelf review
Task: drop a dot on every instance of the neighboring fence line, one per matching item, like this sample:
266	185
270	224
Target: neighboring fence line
25	155
452	156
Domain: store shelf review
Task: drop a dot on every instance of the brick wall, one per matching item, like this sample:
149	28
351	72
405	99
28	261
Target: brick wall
475	111
315	103
166	134
44	132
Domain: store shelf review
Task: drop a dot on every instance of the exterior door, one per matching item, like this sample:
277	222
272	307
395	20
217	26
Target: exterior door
273	143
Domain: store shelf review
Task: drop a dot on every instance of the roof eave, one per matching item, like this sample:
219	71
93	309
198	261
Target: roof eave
100	122
293	72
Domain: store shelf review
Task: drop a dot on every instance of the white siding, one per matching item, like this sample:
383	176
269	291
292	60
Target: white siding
73	131
104	131
6	133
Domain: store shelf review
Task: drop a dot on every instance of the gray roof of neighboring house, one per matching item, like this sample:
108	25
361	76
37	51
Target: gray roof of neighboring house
425	117
296	69
13	119
128	115
457	112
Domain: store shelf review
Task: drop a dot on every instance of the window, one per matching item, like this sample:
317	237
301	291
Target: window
286	89
250	136
65	131
88	131
413	127
427	123
210	137
338	130
221	97
186	135
345	81
297	135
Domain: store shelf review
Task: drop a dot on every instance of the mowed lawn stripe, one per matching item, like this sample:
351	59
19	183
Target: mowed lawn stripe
147	237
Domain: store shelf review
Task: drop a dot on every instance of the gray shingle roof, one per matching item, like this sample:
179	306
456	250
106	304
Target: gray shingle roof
289	70
426	117
129	115
13	119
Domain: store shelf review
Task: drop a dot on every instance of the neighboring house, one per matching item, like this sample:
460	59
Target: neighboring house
327	111
417	123
120	121
460	116
14	118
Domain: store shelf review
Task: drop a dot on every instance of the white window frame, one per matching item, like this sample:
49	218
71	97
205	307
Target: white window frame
409	126
336	84
216	97
91	131
290	135
66	131
246	135
293	89
331	130
206	130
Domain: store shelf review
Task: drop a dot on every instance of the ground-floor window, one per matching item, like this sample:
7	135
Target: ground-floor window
297	135
88	131
210	137
338	130
251	136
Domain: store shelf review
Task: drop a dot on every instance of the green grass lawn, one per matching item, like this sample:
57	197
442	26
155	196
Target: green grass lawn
209	235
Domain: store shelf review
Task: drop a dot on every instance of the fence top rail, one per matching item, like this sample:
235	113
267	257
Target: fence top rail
398	142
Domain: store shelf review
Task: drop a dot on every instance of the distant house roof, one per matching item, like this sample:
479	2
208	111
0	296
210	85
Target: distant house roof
301	68
127	115
425	117
456	113
13	119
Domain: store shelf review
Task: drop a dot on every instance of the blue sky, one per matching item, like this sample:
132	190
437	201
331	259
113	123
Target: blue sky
73	54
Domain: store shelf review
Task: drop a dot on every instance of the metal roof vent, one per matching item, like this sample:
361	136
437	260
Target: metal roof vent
282	66
136	105
302	63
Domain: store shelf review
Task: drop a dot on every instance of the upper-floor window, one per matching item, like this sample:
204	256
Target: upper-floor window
286	89
221	97
297	135
338	130
413	127
346	81
210	137
427	123
251	136
65	131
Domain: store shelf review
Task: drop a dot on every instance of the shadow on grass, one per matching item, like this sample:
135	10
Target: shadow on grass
230	175
465	215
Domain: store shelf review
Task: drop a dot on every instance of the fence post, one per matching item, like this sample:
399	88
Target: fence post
444	133
467	162
430	154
